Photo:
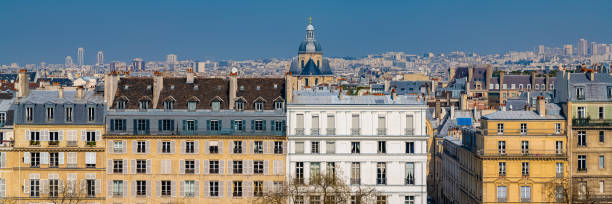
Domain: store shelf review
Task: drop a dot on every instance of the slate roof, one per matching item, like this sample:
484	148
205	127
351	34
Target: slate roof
60	81
208	90
270	90
326	97
133	89
12	77
52	96
527	115
310	69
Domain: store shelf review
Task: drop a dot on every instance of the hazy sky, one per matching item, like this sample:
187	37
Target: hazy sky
34	31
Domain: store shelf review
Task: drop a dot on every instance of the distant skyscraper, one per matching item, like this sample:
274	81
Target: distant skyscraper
593	48
568	50
138	64
100	58
68	61
540	49
81	55
200	66
582	47
171	59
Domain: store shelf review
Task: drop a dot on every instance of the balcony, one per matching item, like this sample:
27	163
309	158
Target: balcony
409	181
34	143
586	122
560	175
409	131
71	143
53	143
91	143
331	131
72	166
141	132
314	131
502	200
582	170
189	171
381	131
355	131
299	131
525	199
520	153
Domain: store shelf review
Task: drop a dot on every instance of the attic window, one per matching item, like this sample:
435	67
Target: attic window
242	88
258	88
275	86
259	106
171	87
195	88
126	87
120	104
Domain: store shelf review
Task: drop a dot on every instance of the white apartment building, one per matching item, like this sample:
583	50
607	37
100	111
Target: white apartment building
369	141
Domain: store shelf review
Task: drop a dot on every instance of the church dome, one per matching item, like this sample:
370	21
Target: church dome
309	46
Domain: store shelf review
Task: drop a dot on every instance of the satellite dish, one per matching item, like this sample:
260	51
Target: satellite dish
234	70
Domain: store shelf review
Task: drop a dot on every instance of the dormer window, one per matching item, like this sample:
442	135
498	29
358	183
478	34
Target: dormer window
169	105
529	86
239	105
144	104
68	112
259	106
120	104
278	105
191	105
580	92
215	105
29	114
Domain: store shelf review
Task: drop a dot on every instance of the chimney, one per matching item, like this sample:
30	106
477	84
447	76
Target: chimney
452	112
591	75
533	79
233	87
387	85
60	92
489	76
541	106
80	92
111	81
23	84
340	94
470	73
288	87
190	76
393	95
501	79
464	102
158	85
438	109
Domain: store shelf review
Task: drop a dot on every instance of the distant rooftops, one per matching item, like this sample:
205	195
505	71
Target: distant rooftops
552	113
327	97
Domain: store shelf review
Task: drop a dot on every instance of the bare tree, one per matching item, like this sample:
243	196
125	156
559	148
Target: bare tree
557	190
70	192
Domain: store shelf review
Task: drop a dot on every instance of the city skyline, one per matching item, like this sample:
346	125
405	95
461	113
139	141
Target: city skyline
238	31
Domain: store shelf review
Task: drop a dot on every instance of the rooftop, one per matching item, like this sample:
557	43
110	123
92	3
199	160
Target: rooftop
326	97
52	96
526	115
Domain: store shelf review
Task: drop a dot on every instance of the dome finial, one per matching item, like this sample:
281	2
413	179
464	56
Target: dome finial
310	20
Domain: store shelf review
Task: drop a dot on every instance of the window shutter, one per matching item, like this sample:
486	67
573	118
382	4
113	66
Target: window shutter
229	189
149	168
222	167
44	186
149	186
196	147
221	189
27	135
182	189
159	147
125	189
158	188
147	125
232	126
206	189
99	187
147	147
44	158
44	135
197	166
230	167
252	147
112	124
109	188
206	167
159	125
171	125
125	168
26	158
220	147
133	188
207	124
284	126
248	188
172	147
206	147
26	186
182	166
252	124
183	146
134	146
83	135
197	188
264	125
173	188
135	126
109	166
133	166
110	147
285	150
124	146
3	160
231	147
266	167
195	125
272	125
267	186
61	158
98	135
220	124
60	135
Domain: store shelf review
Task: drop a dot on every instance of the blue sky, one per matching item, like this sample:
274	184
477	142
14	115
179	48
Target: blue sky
35	31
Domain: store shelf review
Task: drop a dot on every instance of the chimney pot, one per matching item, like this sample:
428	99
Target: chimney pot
60	92
80	92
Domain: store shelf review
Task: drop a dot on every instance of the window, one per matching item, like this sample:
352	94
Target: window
190	125
331	125
166	125
381	173
259	125
34	138
559	147
502	193
582	163
314	130
141	166
355	173
381	199
213	147
141	147
239	105
409	147
278	125
299	147
237	167
601	136
315	199
120	105
258	147
190	147
144	104
525	193
537	86
559	169
355	128
141	188
29	116
258	167
166	187
238	125
258	188
580	92
117	146
34	188
91	187
520	86
501	147
409	200
528	86
525	168
278	147
141	126
53	159
314	147
602	161
601	113
53	138
117	166
557	128
299	199
523	128
582	138
215	106
525	147
237	190
601	186
168	105
299	172
278	105
382	147
53	187
502	168
330	147
50	111
2	117
331	168
35	159
213	187
409	180
166	147
315	169
213	166
91	114
355	147
90	137
237	147
190	166
259	106
581	112
500	128
118	124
